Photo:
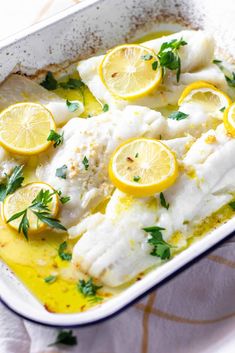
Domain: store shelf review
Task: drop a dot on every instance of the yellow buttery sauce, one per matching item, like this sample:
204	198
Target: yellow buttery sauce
34	260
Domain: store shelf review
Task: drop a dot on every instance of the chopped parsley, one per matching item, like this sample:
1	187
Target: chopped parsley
222	109
178	116
50	279
85	162
72	106
61	172
169	57
49	82
57	138
216	61
39	207
72	83
65	256
147	57
163	201
160	247
230	80
137	155
66	338
88	288
13	182
232	205
105	107
155	65
63	199
136	178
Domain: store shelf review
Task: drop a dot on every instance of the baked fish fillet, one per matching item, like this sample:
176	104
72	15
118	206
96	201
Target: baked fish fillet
18	88
196	64
113	247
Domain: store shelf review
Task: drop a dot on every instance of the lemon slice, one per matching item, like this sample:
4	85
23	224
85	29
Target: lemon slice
130	71
21	199
24	128
229	119
143	167
211	98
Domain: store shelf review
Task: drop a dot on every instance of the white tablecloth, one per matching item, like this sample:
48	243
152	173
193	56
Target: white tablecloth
193	313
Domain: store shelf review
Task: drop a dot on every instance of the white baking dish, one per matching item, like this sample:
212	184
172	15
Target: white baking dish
76	33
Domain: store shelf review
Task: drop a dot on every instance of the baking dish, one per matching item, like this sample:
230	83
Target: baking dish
77	33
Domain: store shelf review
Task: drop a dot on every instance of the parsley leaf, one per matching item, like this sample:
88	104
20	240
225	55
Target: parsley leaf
105	107
136	178
85	162
50	279
232	205
147	57
72	106
65	338
222	109
61	172
65	256
72	83
178	116
12	183
160	247
63	199
163	201
155	65
87	288
169	57
49	82
231	80
39	207
216	61
57	138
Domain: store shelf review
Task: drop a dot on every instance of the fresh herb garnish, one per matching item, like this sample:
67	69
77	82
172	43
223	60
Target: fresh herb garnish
57	138
63	199
61	172
65	256
137	155
136	178
72	106
13	182
72	83
222	109
39	207
178	116
105	107
88	288
50	279
169	57
216	61
232	205
155	65
66	338
160	247
163	201
147	57
49	82
230	80
85	162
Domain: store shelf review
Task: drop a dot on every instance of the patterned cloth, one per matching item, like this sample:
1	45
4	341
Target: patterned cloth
193	313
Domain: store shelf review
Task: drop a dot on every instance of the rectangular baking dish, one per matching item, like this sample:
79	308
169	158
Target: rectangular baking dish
76	33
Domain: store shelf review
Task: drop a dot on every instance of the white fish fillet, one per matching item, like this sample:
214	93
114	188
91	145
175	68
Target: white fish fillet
95	138
114	247
196	64
18	88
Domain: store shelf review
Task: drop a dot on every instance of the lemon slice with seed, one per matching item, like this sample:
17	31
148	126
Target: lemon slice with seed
211	98
21	199
229	119
143	167
24	128
130	71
